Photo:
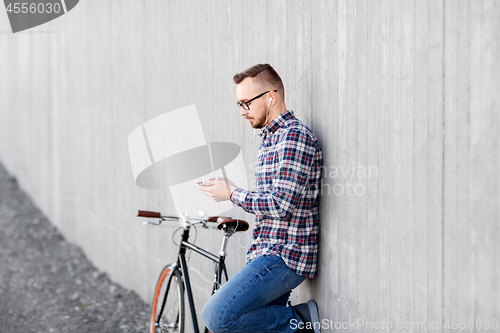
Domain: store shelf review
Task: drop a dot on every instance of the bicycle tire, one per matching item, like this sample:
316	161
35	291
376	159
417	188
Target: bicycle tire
172	318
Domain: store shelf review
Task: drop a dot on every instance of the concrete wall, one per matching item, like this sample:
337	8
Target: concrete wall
403	95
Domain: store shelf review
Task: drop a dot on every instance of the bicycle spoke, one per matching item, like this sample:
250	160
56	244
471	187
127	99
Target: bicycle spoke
168	304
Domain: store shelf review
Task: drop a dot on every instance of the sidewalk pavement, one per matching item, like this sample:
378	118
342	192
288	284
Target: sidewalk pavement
47	284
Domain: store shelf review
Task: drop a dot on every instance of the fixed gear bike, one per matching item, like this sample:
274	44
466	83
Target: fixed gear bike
168	308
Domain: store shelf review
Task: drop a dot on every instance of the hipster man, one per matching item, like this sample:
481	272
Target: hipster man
285	202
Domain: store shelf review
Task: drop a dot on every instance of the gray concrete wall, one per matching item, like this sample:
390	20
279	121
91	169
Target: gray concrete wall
403	95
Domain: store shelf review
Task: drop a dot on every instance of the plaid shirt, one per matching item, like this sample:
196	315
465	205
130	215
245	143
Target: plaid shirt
285	200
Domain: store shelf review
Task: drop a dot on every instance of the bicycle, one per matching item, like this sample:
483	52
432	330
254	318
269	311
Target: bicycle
167	314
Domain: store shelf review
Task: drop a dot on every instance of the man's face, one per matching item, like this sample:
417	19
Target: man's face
246	90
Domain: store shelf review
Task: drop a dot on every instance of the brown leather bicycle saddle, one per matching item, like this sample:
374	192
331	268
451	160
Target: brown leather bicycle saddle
236	224
214	218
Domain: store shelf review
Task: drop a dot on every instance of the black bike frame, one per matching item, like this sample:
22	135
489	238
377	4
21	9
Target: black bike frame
182	266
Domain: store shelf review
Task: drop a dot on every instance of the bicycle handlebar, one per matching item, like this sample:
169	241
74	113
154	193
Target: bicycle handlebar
147	213
222	221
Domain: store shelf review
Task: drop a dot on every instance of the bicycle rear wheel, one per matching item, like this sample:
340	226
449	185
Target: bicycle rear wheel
167	314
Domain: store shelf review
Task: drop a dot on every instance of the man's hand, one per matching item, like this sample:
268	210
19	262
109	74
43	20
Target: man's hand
217	188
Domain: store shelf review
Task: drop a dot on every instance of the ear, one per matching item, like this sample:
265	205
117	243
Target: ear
274	97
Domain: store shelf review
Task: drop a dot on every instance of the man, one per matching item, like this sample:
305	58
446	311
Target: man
284	248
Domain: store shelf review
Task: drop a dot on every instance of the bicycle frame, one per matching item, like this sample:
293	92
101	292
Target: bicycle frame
182	266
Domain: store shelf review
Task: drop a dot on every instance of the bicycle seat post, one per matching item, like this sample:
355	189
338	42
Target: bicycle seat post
228	232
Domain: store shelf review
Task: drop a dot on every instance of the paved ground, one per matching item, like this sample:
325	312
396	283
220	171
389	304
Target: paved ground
47	284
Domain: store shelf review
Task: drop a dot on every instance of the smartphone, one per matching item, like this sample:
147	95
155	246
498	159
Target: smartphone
199	182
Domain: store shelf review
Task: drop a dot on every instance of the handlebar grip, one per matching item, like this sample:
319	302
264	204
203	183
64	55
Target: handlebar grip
147	213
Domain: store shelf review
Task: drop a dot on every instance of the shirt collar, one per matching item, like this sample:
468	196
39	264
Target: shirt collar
276	123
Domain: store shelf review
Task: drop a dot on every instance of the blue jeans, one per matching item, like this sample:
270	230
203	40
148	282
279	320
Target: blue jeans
254	300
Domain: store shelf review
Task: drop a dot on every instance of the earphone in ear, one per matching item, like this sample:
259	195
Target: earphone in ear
270	100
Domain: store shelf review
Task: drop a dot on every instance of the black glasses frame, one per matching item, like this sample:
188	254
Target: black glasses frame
245	105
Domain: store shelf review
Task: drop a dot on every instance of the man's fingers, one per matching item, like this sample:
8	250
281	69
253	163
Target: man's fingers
216	189
207	192
211	182
202	189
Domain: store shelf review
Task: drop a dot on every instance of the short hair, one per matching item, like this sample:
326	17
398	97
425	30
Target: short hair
263	74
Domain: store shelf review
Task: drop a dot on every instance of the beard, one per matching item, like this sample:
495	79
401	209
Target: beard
259	122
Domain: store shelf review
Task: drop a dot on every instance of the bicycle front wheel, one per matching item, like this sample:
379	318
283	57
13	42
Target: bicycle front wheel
167	313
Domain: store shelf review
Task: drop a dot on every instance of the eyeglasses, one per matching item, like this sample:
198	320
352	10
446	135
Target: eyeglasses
245	105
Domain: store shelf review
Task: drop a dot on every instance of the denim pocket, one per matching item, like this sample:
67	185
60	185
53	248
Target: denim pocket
266	263
277	258
291	280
